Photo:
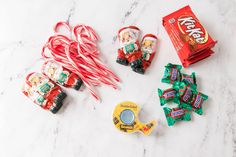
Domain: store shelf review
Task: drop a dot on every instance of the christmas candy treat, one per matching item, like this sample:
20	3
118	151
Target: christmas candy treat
148	48
176	114
196	103
43	92
190	39
129	51
61	75
166	95
125	118
185	91
191	79
172	73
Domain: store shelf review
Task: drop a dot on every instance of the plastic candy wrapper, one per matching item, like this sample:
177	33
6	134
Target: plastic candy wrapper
166	95
196	103
125	118
148	48
176	114
129	51
191	79
61	75
172	73
190	39
190	98
43	92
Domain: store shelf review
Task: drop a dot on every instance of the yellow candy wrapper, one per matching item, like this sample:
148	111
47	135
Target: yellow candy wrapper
125	118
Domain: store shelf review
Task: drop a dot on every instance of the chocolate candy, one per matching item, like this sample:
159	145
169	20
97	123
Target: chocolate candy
190	98
196	103
191	79
190	39
166	95
61	75
43	92
172	73
176	114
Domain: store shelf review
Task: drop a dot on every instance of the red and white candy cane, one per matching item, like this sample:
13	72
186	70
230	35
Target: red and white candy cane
79	53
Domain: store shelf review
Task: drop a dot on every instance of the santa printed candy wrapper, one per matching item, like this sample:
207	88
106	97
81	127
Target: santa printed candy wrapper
148	48
129	51
176	114
43	92
166	95
172	73
191	79
61	75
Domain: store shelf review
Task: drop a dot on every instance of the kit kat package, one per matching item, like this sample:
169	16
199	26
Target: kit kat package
190	39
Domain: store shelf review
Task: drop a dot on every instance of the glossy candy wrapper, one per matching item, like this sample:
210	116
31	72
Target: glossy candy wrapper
148	48
61	75
172	73
190	98
166	95
191	79
129	51
176	114
43	92
190	39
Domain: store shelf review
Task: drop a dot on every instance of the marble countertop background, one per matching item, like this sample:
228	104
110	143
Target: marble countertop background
83	127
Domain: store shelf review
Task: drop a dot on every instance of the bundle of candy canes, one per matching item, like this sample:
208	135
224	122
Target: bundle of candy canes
70	61
131	52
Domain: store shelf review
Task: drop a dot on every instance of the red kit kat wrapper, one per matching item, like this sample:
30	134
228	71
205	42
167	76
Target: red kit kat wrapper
190	39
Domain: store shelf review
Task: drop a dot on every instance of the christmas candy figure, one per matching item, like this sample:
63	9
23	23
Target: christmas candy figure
148	48
43	92
129	52
61	75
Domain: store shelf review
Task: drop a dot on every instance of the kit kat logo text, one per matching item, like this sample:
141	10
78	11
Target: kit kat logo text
190	26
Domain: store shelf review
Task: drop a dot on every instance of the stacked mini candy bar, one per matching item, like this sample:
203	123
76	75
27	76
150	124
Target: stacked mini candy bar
183	92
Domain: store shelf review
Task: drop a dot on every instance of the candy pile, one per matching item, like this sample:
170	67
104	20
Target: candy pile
130	51
70	60
183	92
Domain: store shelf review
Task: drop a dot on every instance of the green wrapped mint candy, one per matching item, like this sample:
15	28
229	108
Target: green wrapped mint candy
172	73
176	114
166	95
191	79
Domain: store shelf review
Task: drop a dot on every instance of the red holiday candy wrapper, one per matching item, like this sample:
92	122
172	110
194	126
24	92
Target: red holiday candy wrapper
43	92
148	47
129	51
61	75
190	39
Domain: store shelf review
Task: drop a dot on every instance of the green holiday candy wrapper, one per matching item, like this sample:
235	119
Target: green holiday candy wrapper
196	103
166	95
176	114
191	79
172	73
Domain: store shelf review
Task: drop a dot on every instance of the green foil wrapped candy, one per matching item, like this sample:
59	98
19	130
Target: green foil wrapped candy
172	73
166	95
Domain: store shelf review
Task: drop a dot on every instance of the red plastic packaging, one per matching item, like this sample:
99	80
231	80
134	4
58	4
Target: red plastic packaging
190	39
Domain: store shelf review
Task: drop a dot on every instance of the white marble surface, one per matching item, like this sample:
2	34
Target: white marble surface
83	127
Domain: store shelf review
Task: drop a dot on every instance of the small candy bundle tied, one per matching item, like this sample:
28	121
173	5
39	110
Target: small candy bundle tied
139	56
183	92
190	39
